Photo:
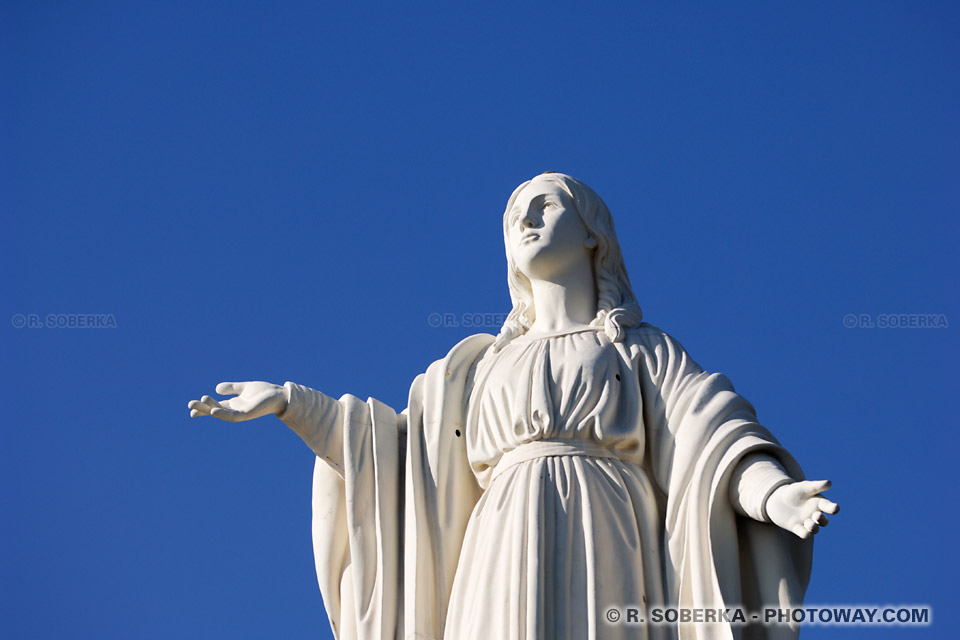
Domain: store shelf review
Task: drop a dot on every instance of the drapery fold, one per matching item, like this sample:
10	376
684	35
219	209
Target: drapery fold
390	516
699	430
375	583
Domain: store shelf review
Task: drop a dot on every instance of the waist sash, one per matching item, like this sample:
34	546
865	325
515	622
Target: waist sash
547	448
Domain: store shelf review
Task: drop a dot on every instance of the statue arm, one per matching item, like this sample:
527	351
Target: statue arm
755	478
678	392
761	489
357	500
317	419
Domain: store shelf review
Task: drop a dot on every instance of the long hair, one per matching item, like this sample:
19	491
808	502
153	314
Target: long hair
617	308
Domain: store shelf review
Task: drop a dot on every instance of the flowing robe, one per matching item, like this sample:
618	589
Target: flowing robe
396	495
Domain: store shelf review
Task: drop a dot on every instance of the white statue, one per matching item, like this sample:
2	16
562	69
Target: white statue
578	462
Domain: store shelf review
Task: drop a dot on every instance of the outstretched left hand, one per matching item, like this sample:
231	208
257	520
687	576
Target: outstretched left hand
799	508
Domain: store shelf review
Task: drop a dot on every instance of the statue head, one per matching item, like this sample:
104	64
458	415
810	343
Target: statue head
617	307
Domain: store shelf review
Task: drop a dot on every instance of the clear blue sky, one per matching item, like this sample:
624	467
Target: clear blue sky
288	190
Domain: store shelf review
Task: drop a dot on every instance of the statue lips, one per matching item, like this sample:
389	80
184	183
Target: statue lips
529	237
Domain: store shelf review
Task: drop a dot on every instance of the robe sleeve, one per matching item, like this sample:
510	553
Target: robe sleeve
698	432
356	507
392	496
756	477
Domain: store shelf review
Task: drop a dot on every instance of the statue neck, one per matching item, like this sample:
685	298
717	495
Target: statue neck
564	303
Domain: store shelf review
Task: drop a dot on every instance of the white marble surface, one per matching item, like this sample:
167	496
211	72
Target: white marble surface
578	461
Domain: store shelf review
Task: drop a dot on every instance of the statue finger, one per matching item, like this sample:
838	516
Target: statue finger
828	507
799	531
230	388
811	526
820	518
813	487
198	407
210	402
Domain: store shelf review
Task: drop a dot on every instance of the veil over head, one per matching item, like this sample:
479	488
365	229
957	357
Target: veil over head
617	307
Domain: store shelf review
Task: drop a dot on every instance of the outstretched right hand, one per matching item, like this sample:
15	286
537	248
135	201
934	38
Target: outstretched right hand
254	399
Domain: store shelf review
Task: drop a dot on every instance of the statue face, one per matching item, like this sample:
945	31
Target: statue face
545	233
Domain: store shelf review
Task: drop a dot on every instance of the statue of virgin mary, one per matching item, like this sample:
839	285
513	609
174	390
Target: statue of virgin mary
578	464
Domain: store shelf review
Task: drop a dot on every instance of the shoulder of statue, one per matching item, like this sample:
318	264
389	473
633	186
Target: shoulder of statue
471	347
654	345
646	335
461	360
